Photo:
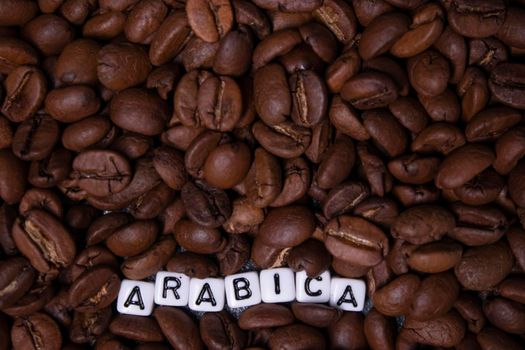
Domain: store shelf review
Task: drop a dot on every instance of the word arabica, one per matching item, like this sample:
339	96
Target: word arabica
278	285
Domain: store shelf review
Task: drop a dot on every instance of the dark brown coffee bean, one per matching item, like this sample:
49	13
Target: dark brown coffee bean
316	315
77	64
349	329
381	33
336	163
123	65
297	178
447	330
234	255
94	289
511	31
435	257
410	196
366	10
178	328
198	239
71	104
339	17
210	207
25	91
414	169
369	90
141	329
438	137
219	330
505	83
104	26
245	216
37	331
51	170
491	123
386	132
169	163
509	149
193	265
210	19
297	336
286	140
18	13
512	288
469	306
15	52
491	338
355	240
132	239
287	226
429	73
44	241
149	262
49	33
476	20
435	297
144	20
344	198
344	67
16	279
273	99
309	98
410	113
516	238
310	256
423	224
35	138
505	314
86	133
494	260
7	218
170	38
101	173
87	326
381	211
37	198
139	111
462	165
264	316
379	331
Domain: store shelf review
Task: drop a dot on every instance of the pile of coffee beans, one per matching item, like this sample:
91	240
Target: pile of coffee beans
377	139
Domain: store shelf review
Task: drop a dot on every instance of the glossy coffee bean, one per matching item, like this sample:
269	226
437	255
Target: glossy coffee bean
37	331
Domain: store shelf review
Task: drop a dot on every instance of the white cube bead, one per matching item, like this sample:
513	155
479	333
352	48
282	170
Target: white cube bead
172	289
206	294
242	289
348	294
135	298
277	285
312	290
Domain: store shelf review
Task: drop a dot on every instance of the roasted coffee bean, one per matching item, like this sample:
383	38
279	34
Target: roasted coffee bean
227	165
132	239
72	103
435	257
52	170
493	338
87	132
219	330
477	225
476	19
423	224
287	226
509	150
197	238
46	200
355	240
87	326
104	26
505	314
429	73
297	178
349	329
316	315
336	163
139	111
394	298
193	265
25	91
94	289
144	20
149	262
77	63
44	241
369	90
447	330
506	84
435	297
495	260
482	189
178	328
474	93
516	238
35	138
123	65
101	173
15	52
385	131
297	336
245	216
310	256
170	38
37	331
136	328
210	19
234	255
210	207
379	331
381	34
15	280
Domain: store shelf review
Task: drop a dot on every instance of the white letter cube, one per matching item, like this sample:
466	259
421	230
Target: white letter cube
312	290
172	289
135	298
277	285
348	294
206	294
242	289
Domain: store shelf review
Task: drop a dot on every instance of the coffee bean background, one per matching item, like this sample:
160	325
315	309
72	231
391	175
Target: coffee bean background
380	139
